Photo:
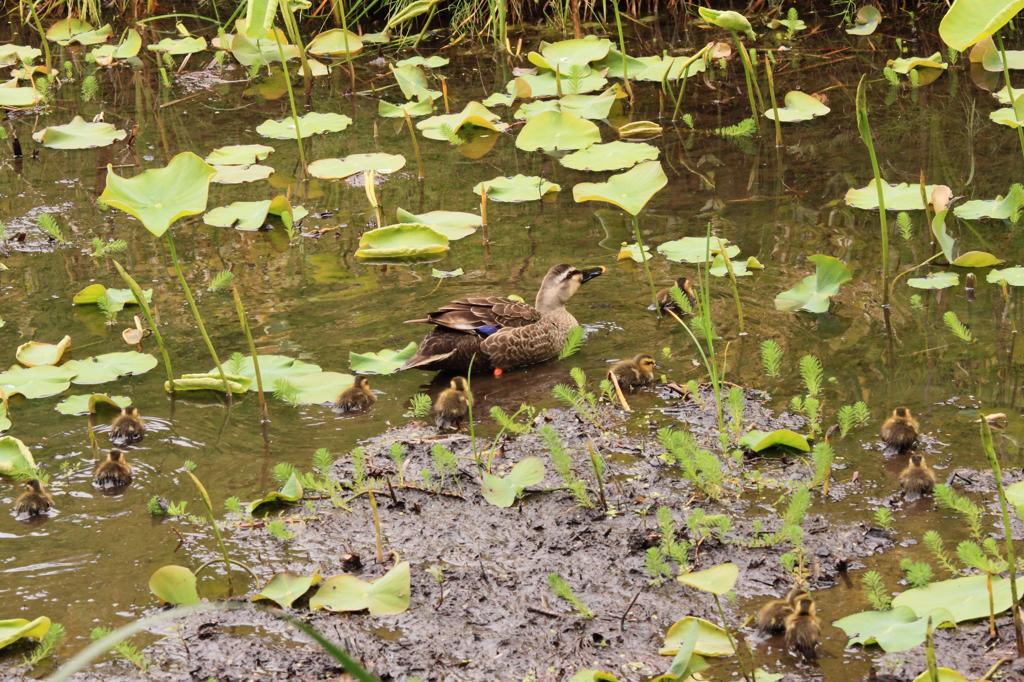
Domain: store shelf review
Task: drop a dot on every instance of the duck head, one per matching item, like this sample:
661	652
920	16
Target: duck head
559	285
115	456
645	363
459	384
901	413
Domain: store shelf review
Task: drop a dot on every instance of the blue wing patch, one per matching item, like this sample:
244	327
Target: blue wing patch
487	330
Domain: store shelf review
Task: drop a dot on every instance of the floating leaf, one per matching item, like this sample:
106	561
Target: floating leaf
289	493
13	97
412	81
976	259
386	596
498	99
502	491
336	169
14	456
409	12
473	114
941	675
712	641
446	274
757	441
179	46
965	598
130	44
318	388
697	249
969	21
86	403
516	188
100	369
739	268
116	299
382	362
272	368
546	84
615	155
654	69
900	197
236	175
207	382
716	580
422	106
1013	277
729	20
630	191
557	130
36	382
79	134
799	106
258	49
39	353
242	215
1000	208
592	107
898	629
337	42
284	588
19	628
431	62
174	585
566	54
639	130
313	123
904	65
452	224
11	55
238	154
632	252
73	30
935	280
866	21
813	292
402	240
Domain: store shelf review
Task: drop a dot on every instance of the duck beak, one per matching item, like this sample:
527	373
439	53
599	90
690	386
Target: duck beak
591	273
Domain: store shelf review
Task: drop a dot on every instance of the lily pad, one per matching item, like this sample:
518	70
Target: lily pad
630	191
116	299
654	69
36	382
935	280
86	403
174	585
208	382
15	629
798	106
1012	117
729	20
941	675
160	196
337	42
317	388
516	188
473	114
73	30
757	441
976	259
238	154
179	46
272	368
40	353
813	292
422	106
632	252
900	197
898	629
964	598
578	81
1013	277
566	54
970	21
412	81
866	21
740	268
615	155
452	224
555	131
402	240
79	134
717	580
502	491
697	249
336	169
289	493
639	130
446	274
255	49
712	641
130	44
1000	208
11	54
591	107
13	97
248	216
236	175
100	369
431	62
382	362
386	596
313	123
284	588
14	455
905	64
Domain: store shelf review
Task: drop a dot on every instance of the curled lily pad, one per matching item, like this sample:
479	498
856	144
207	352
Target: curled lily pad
964	598
447	274
174	585
502	491
452	224
717	580
969	21
130	44
259	49
866	21
473	114
1000	208
630	191
79	134
422	106
73	30
179	46
904	65
87	403
5	416
337	42
289	493
498	99
39	353
941	675
898	629
1012	117
697	249
36	382
336	169
236	175
566	54
656	69
100	369
412	81
935	280
15	629
731	21
272	368
758	441
814	292
899	197
712	641
592	107
208	382
402	240
12	54
431	62
386	596
516	189
284	588
740	268
632	252
615	155
114	299
382	362
799	106
945	241
1013	277
976	259
313	123
243	215
639	130
238	154
14	456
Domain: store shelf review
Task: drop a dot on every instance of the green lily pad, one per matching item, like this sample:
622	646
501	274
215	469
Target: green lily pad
1012	117
100	369
130	44
740	268
498	99
452	224
945	241
900	197
386	596
254	49
13	97
208	382
591	107
317	388
39	353
238	154
632	252
813	292
86	403
717	580
502	491
654	69
566	54
757	441
1000	208
1013	277
867	20
798	106
615	155
431	62
179	46
73	30
272	368
557	130
337	42
942	675
412	81
904	65
14	456
697	249
12	55
935	280
336	169
792	25
712	641
160	196
733	22
382	362
248	216
970	21
592	675
402	240
422	106
174	585
313	123
236	175
546	83
284	588
5	417
976	259
516	188
116	299
79	134
630	191
898	629
964	598
473	114
19	628
289	493
36	382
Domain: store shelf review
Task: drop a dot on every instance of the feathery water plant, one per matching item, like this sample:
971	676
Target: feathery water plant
125	649
958	328
771	357
883	518
917	573
573	343
875	591
937	547
562	463
949	499
53	638
852	416
49	225
904	225
561	589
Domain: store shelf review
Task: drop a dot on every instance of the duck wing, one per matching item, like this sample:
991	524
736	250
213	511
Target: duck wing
482	315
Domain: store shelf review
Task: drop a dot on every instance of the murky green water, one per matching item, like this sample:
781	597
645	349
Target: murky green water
88	565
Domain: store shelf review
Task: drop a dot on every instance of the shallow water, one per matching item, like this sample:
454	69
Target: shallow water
88	564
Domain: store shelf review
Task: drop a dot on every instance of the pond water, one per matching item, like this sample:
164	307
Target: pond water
311	299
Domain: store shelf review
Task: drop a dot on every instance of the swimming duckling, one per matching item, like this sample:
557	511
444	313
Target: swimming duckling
127	427
666	302
356	398
115	472
803	629
35	501
635	373
452	405
900	430
771	619
918	478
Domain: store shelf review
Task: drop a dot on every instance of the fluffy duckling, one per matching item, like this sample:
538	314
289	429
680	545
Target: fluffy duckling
452	405
356	398
635	373
918	478
666	302
771	619
803	629
900	430
115	472
127	427
35	501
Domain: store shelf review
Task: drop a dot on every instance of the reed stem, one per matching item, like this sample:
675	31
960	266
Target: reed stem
243	321
148	314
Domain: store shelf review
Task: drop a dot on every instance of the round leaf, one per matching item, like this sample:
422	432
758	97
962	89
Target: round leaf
866	21
248	216
14	455
799	106
696	249
236	175
516	188
174	585
900	197
630	191
38	353
712	641
718	579
36	382
813	293
336	169
557	130
100	369
86	403
284	588
336	42
969	21
935	280
313	123
79	134
19	628
403	240
289	493
238	154
615	155
382	362
452	224
1013	277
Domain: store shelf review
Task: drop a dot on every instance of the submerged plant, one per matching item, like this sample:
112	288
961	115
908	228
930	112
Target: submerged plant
875	591
852	416
561	589
917	573
771	357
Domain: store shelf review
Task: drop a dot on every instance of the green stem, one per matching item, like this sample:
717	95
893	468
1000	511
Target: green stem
148	314
744	58
775	103
291	102
732	640
469	409
213	526
1009	88
622	49
865	130
244	322
292	27
735	287
647	268
42	37
423	31
701	54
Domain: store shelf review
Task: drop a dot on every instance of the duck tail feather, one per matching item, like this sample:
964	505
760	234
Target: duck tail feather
419	360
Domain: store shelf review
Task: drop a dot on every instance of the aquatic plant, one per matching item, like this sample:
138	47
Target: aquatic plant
917	573
823	456
875	591
864	126
561	589
578	397
573	343
717	581
47	646
956	327
214	528
562	463
771	357
735	23
949	499
444	463
125	649
223	279
883	518
655	565
936	546
852	416
420	405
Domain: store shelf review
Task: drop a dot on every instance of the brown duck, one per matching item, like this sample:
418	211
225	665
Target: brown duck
114	472
35	501
666	302
900	430
127	427
356	398
499	332
452	405
803	629
637	372
918	478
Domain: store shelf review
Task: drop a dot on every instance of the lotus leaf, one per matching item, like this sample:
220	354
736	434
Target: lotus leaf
238	154
516	189
317	388
739	268
935	280
86	403
72	30
386	596
316	68
36	382
1012	117
208	382
179	46
502	491
258	49
412	81
615	155
160	196
284	588
557	130
409	12
566	54
970	21
11	54
696	249
39	353
799	106
14	456
289	493
423	105
898	629
259	17
593	107
386	361
13	97
446	274
992	60
498	99
965	598
630	191
734	22
116	299
579	81
904	65
792	25
402	240
1013	277
100	369
866	21
1000	208
313	123
272	368
248	216
757	441
473	114
236	175
432	62
19	628
104	55
337	42
716	580
452	224
976	259
79	134
632	252
174	585
942	675
336	169
813	292
900	197
655	69
712	641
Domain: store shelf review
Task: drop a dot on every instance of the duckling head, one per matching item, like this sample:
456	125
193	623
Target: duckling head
805	606
917	460
459	384
559	285
362	383
901	413
34	485
115	456
646	363
686	286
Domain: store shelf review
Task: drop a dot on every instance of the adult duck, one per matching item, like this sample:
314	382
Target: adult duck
499	332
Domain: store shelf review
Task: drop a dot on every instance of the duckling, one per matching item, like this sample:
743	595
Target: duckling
666	302
803	629
115	472
900	430
635	373
918	478
356	398
452	405
127	427
35	501
771	619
